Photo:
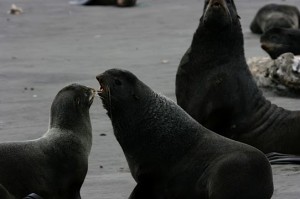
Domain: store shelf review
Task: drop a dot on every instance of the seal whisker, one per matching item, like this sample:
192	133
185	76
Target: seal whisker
109	101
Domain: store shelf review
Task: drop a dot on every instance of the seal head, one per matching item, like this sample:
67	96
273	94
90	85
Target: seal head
278	41
218	12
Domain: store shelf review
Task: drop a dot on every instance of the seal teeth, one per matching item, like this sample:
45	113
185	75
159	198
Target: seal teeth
101	90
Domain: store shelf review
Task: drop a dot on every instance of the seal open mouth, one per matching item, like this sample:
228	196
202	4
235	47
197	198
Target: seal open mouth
104	94
102	90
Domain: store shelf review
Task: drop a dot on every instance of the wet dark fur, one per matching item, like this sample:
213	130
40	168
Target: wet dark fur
275	16
281	40
170	155
53	166
214	85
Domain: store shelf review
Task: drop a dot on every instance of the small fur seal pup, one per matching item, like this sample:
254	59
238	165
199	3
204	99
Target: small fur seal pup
275	16
214	85
55	165
170	155
277	41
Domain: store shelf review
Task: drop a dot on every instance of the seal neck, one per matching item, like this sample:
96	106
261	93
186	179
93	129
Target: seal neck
157	128
70	119
213	47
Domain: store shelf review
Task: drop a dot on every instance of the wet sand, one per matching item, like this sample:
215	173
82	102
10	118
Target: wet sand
53	44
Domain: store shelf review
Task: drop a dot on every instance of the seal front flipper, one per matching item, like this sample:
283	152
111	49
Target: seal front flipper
142	191
280	158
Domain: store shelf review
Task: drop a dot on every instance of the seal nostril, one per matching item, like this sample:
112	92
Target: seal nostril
216	4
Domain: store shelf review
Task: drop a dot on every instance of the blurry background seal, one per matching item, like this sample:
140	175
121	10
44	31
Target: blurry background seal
120	3
275	16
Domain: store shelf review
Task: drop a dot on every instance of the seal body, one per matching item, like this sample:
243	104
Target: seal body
278	41
170	155
275	16
55	165
214	85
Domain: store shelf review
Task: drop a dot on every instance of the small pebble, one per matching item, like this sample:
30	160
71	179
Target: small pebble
102	134
15	10
165	61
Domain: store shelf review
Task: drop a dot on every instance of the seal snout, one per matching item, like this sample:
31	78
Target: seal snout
216	4
264	46
92	95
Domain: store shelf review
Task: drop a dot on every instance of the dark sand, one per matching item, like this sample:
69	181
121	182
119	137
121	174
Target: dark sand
53	44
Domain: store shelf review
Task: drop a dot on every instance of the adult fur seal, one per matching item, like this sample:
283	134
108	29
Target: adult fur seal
275	16
120	3
170	155
277	41
214	85
55	165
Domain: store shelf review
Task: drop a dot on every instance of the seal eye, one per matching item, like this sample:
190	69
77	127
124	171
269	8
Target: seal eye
118	82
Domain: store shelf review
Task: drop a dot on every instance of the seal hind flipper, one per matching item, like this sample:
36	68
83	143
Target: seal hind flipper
280	158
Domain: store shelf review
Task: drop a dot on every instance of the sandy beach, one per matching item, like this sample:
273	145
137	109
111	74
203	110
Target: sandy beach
52	44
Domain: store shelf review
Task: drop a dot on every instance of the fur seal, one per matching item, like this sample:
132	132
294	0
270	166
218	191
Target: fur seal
277	41
55	165
275	16
170	155
119	3
214	85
